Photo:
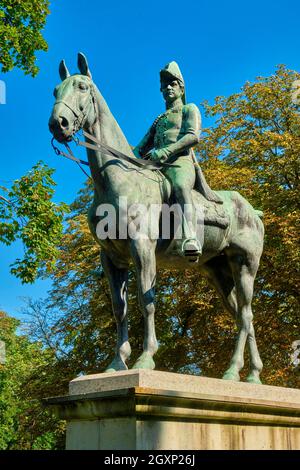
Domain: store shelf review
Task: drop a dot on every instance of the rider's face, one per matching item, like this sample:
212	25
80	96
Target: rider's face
171	90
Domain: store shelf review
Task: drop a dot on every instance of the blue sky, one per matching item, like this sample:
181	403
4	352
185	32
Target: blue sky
218	45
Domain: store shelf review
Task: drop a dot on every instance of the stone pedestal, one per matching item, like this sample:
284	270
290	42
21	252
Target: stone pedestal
152	410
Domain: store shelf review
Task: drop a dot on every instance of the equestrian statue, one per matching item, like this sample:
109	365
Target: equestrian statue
224	242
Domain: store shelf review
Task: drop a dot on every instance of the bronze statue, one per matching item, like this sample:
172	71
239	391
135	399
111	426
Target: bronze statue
230	253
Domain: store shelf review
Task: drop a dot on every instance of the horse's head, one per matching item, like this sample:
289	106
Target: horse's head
75	106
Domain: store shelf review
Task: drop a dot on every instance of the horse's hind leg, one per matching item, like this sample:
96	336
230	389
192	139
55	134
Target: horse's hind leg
244	268
143	254
220	277
118	282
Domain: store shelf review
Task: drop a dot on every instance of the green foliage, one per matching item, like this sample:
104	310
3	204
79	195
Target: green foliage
28	213
21	22
24	423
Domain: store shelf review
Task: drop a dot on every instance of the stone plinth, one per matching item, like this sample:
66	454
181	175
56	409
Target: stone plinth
142	409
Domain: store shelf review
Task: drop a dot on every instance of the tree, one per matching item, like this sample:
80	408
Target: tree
28	213
24	423
253	148
21	23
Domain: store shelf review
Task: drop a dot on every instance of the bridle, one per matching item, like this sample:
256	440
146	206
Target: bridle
78	123
79	120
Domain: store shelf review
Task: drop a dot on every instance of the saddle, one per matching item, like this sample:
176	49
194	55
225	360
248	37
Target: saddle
213	208
214	214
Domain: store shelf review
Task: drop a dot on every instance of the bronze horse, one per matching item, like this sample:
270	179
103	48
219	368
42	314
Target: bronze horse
230	257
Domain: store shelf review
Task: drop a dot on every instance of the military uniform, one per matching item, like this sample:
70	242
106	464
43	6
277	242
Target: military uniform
168	133
171	138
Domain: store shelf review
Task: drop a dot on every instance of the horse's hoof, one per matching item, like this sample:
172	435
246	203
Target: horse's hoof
145	361
253	379
115	366
229	375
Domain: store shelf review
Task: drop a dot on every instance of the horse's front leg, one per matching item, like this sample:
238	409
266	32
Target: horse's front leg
118	282
143	254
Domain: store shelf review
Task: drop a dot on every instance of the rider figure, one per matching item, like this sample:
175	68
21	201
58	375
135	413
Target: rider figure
171	138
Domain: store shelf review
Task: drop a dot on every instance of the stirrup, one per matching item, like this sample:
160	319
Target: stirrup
191	249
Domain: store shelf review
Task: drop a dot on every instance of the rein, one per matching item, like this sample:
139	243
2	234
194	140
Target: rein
143	164
70	156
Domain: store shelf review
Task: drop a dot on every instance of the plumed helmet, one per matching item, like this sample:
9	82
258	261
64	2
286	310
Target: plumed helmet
172	70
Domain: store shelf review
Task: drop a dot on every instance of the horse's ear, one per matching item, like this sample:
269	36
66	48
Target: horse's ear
83	65
63	71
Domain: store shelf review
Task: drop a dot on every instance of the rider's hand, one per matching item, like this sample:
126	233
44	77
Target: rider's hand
160	155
